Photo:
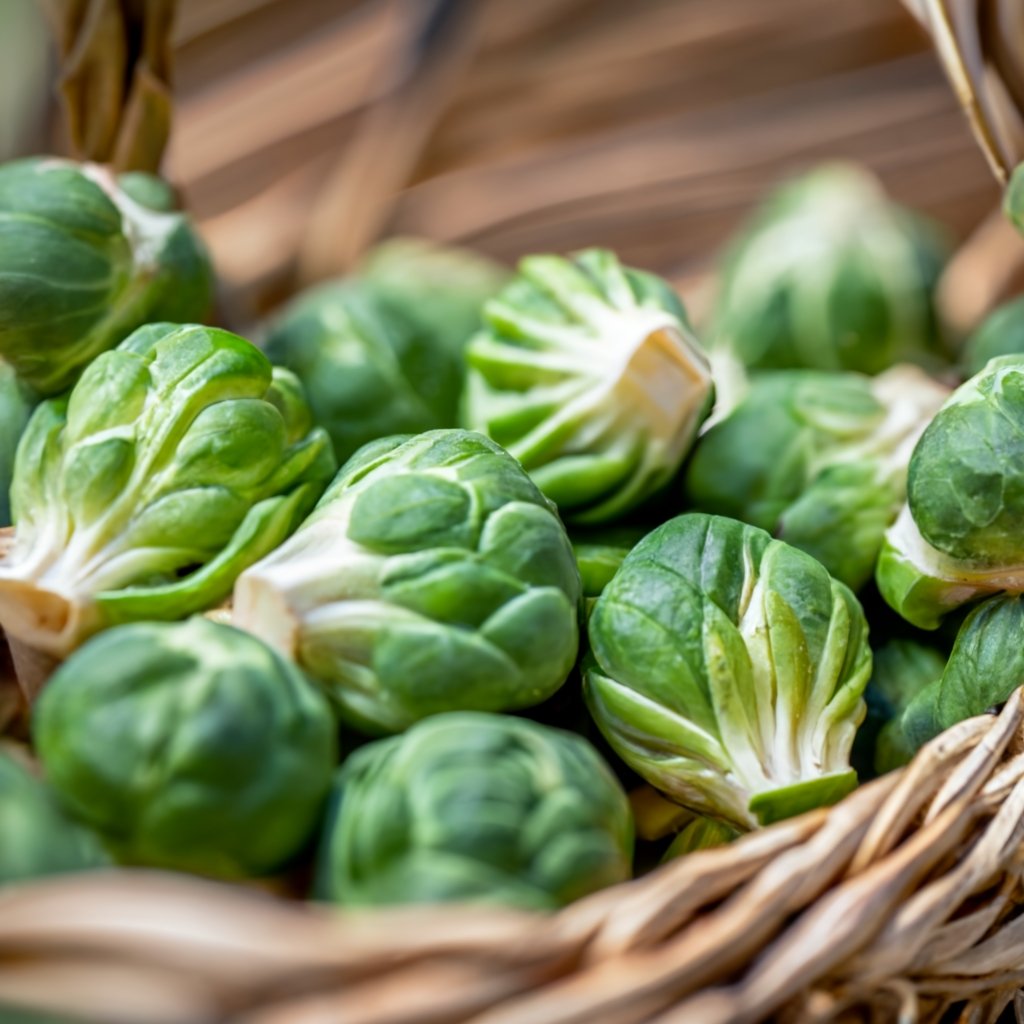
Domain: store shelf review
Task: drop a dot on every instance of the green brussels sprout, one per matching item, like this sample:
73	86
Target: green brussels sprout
36	838
1013	199
700	834
1001	334
83	263
986	665
16	405
589	374
727	669
178	459
959	537
831	275
440	288
433	576
599	553
189	746
381	354
818	459
902	669
475	807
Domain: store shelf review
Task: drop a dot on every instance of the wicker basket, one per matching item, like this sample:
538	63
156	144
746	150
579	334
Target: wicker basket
903	902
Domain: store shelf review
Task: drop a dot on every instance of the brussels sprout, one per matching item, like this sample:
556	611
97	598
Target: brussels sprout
818	459
440	288
35	836
1000	334
381	354
728	670
831	275
433	576
700	834
959	538
83	263
189	746
902	669
589	374
177	460
984	668
599	553
471	806
16	405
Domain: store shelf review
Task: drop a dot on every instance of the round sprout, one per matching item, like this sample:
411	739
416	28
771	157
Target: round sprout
728	670
589	374
37	838
469	806
433	576
818	459
381	354
189	746
178	459
83	262
1000	334
831	275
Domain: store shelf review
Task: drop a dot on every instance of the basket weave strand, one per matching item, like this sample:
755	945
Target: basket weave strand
898	903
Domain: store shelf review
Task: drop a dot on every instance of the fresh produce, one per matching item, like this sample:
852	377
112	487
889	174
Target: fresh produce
599	553
471	806
728	670
433	576
178	459
16	405
831	275
188	745
83	262
700	834
959	537
818	459
589	374
985	666
381	353
439	288
36	837
902	669
1000	334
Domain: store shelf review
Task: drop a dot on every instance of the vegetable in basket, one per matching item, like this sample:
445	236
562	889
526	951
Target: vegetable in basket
985	666
831	275
433	576
16	404
590	375
960	536
471	806
381	353
958	542
178	459
85	261
700	834
818	459
599	553
190	746
1001	333
727	668
902	669
36	837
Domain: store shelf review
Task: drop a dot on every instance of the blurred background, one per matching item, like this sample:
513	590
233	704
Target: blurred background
303	130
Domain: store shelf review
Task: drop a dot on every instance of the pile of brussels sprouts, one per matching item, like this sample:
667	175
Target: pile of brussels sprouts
460	579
